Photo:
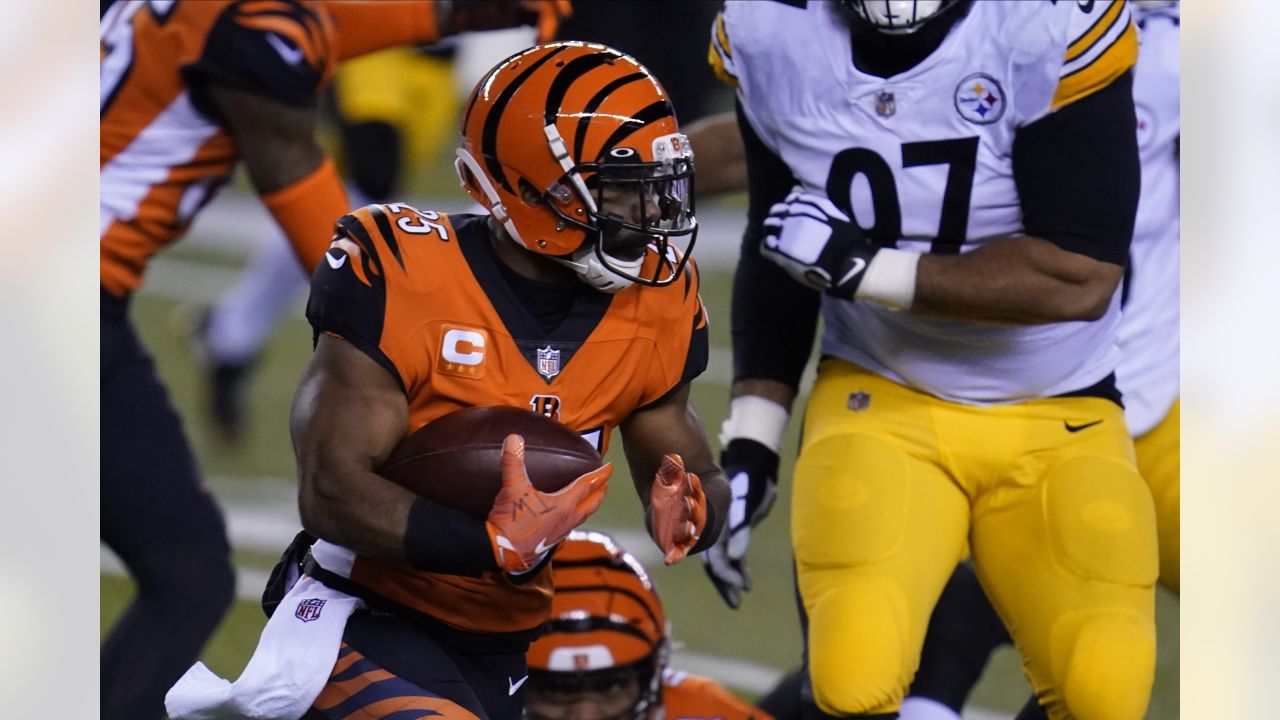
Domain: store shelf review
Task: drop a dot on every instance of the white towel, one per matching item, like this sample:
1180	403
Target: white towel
289	668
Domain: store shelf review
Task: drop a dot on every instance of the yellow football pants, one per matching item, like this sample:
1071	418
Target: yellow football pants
1159	458
891	482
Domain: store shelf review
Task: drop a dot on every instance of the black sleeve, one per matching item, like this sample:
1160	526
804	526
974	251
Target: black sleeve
1078	174
281	51
346	305
774	318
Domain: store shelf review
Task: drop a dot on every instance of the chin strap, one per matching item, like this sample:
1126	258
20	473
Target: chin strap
591	271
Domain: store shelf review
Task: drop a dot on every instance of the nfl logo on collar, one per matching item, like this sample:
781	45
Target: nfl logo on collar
309	609
885	104
548	362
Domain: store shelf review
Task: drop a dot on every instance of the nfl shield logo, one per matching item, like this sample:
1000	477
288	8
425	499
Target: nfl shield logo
885	104
548	362
309	609
859	401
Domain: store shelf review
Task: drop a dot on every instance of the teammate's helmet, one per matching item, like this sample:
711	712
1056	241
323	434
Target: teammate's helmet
558	138
607	630
897	17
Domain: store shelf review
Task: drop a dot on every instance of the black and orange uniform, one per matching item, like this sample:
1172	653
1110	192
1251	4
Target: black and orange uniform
693	697
165	150
427	297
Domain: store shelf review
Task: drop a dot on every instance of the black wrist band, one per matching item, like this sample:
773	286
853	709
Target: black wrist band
441	539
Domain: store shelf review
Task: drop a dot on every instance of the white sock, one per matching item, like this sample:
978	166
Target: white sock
919	708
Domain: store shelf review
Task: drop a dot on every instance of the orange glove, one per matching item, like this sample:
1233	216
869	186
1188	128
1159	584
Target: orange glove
525	523
550	13
679	509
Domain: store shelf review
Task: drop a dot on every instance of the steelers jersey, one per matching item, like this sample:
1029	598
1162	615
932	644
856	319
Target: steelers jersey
425	298
693	697
1149	344
923	160
164	152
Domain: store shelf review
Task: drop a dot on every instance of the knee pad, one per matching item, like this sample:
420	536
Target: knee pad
1107	666
857	636
1101	521
849	503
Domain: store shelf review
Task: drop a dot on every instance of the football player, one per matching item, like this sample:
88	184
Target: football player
575	297
954	184
604	651
188	90
964	629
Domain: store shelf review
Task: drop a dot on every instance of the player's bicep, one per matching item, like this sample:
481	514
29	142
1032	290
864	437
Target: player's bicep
347	416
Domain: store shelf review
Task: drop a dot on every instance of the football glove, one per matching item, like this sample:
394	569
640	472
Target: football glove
678	507
525	524
752	469
817	244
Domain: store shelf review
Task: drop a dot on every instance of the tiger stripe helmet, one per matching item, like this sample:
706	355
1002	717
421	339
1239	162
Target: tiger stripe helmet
552	129
606	620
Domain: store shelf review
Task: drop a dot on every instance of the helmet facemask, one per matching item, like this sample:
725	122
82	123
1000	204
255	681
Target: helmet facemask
897	17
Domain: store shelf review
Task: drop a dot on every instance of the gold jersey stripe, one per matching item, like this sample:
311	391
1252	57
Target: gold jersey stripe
718	50
1108	66
722	36
1100	28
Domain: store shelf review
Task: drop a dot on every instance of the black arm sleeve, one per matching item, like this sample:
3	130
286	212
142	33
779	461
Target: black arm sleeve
774	318
1078	174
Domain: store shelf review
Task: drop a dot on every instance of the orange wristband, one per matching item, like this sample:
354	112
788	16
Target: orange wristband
307	211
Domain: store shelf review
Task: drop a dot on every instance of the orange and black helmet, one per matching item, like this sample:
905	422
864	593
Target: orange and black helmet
551	131
606	622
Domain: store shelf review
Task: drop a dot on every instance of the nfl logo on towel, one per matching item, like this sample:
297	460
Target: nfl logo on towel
548	362
309	609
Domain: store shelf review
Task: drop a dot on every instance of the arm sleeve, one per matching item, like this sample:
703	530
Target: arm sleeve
282	51
1078	174
774	318
349	294
364	27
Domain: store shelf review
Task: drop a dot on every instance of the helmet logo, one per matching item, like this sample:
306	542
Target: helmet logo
622	153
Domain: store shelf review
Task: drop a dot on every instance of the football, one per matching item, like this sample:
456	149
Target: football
455	460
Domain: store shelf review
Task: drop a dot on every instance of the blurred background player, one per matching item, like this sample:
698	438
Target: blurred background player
951	208
395	109
603	654
574	297
188	90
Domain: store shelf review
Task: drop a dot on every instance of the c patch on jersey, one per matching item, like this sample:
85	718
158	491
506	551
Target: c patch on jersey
980	99
462	351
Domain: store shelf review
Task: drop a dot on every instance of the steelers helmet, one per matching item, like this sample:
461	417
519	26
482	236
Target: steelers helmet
607	628
897	17
556	138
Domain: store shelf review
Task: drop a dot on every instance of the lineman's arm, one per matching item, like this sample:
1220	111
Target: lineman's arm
370	25
288	168
672	426
348	415
718	153
1077	172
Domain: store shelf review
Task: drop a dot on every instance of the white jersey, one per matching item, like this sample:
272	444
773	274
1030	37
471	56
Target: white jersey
926	156
1148	372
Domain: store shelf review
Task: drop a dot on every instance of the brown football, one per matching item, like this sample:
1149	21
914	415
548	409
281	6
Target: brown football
455	460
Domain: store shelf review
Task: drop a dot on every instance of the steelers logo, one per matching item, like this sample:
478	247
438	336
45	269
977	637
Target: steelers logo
980	99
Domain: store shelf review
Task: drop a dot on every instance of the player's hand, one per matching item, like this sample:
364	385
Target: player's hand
473	15
678	507
752	469
817	244
525	523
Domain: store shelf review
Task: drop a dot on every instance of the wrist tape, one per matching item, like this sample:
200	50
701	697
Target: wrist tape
755	418
890	279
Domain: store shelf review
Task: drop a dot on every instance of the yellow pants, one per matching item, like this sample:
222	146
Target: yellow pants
1159	457
889	486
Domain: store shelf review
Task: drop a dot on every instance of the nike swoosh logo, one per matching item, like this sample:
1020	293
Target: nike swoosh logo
859	265
288	53
1077	428
335	263
542	548
512	687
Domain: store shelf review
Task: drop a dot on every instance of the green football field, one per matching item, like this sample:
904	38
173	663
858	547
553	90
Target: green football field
254	481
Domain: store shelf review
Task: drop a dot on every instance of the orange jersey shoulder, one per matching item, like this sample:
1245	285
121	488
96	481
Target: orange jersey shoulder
693	697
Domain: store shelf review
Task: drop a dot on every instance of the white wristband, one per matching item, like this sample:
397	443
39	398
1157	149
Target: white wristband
755	418
890	279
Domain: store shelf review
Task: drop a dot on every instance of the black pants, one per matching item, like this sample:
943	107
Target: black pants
393	668
161	522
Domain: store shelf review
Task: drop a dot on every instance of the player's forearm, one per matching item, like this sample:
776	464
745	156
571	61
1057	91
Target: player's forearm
359	510
1021	280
